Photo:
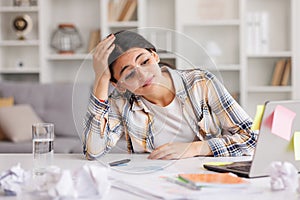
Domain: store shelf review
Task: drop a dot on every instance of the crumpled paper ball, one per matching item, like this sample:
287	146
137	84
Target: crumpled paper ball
11	180
284	176
88	181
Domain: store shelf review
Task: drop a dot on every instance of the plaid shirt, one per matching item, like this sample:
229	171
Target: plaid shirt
207	106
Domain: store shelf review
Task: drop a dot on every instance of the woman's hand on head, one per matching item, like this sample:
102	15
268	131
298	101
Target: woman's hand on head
171	151
100	58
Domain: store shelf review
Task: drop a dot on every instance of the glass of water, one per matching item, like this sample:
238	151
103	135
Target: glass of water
42	146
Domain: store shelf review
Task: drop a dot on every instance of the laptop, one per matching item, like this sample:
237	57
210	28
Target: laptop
269	147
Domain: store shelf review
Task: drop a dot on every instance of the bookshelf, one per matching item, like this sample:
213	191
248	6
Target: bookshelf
16	60
219	33
218	24
261	65
245	70
64	68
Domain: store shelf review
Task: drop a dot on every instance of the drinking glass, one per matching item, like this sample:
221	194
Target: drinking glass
42	146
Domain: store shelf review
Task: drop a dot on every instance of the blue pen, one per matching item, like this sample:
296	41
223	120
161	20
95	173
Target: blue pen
119	162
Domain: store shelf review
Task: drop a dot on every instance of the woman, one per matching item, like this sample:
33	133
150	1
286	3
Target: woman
168	113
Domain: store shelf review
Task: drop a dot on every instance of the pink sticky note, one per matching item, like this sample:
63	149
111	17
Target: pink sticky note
282	122
269	121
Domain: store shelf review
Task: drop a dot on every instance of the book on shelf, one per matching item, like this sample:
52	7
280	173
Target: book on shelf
277	73
286	73
257	32
128	10
281	73
121	10
94	39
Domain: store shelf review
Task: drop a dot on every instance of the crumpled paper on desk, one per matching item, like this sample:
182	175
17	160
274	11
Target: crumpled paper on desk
283	176
87	181
11	180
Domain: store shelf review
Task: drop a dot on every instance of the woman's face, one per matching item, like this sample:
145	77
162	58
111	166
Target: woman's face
137	70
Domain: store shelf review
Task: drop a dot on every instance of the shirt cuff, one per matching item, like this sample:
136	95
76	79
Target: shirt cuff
98	107
218	148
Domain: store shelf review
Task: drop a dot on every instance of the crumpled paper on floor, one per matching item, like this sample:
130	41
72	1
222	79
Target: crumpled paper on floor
284	176
87	181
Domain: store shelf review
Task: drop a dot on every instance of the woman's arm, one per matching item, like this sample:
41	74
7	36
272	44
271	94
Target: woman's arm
237	138
98	135
94	128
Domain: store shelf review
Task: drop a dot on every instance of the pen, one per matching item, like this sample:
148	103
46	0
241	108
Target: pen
118	162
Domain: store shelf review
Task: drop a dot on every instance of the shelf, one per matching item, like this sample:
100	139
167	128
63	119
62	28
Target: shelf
19	43
233	22
166	55
9	9
123	24
270	89
69	57
228	67
224	67
20	71
271	54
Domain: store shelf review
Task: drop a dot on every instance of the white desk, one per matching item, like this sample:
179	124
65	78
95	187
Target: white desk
192	165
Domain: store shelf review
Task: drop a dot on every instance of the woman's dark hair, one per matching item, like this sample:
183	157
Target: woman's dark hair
124	41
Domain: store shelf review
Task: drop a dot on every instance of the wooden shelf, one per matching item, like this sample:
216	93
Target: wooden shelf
270	89
228	67
69	57
123	24
271	54
13	43
233	22
9	9
20	71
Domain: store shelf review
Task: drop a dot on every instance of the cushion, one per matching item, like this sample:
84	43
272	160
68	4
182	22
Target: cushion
53	103
16	122
6	101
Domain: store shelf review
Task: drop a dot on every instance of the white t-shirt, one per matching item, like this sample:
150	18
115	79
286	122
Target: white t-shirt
169	124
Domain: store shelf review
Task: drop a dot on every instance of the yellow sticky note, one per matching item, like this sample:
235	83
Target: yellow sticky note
291	144
297	145
258	117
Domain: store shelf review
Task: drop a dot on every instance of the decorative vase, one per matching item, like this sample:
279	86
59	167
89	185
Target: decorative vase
66	39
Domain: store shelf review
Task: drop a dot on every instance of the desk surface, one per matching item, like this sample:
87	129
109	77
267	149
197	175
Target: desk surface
260	187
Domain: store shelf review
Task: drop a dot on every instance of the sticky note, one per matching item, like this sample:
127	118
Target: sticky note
282	122
269	120
290	147
297	145
258	117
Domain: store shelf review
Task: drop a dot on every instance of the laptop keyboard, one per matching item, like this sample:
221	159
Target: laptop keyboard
241	166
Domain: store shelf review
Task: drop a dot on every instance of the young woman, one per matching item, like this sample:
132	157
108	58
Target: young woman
168	113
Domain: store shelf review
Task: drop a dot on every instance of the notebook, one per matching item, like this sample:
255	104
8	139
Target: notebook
270	147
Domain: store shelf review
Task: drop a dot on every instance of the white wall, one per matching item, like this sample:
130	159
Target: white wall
297	69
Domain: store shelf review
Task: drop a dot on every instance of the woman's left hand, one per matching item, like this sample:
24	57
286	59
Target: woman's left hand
178	150
173	151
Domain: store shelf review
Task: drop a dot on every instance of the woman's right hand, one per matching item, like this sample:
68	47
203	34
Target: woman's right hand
100	58
101	68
